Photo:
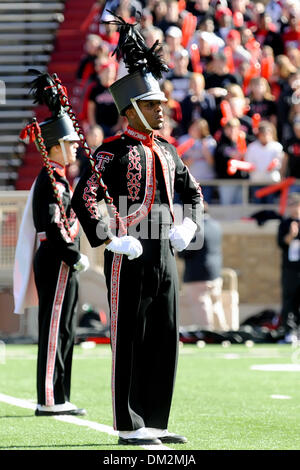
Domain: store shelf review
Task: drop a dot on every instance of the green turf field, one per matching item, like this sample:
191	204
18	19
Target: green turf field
220	401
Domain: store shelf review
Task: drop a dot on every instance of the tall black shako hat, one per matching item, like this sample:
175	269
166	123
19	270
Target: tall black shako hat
145	67
58	127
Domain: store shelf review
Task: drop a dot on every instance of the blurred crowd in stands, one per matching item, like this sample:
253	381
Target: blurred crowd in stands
233	86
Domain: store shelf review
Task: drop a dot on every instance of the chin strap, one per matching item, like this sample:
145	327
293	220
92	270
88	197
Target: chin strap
140	115
64	152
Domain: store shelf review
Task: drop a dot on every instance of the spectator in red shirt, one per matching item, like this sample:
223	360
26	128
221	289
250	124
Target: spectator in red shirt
291	35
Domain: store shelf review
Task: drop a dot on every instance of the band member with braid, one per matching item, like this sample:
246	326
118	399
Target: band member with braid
143	170
57	260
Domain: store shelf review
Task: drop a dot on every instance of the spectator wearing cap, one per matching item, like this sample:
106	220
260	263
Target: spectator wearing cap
173	37
198	104
291	147
108	32
101	108
266	155
223	18
289	242
208	43
180	75
238	52
227	149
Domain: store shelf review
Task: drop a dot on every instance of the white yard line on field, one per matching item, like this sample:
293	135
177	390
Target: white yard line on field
73	420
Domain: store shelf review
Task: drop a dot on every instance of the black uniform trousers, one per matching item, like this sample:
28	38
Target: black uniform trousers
142	294
57	287
290	282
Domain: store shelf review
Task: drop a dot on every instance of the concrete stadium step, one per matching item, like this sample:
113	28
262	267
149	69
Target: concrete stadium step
13	91
11	138
8	38
18	78
30	26
19	48
36	17
17	69
21	6
11	149
16	114
30	59
8	175
20	103
7	162
12	126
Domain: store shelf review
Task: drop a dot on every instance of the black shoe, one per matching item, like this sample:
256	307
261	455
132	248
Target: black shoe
171	438
139	442
74	412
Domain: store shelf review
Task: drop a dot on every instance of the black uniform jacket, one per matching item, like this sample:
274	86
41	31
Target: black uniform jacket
48	219
127	164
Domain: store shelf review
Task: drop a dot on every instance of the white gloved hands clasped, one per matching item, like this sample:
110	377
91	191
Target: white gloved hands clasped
181	235
126	245
83	264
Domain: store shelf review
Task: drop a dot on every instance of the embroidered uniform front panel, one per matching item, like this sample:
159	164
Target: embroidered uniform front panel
168	168
147	164
134	173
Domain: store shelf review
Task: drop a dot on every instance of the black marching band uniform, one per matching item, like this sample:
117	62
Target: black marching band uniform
56	261
143	170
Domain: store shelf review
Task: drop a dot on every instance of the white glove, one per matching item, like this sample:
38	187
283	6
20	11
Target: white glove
83	264
126	245
181	235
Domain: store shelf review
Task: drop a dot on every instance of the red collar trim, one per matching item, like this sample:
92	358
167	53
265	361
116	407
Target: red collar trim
58	167
146	139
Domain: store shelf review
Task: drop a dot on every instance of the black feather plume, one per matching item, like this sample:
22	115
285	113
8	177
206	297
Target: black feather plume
44	91
132	48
